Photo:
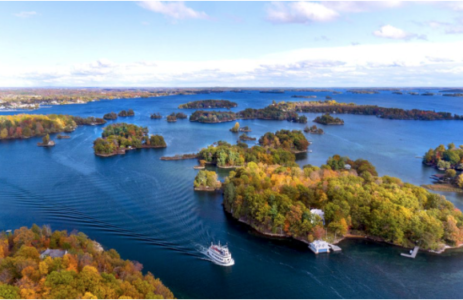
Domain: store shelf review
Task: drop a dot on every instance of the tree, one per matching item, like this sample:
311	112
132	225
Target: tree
235	128
450	173
46	139
459	181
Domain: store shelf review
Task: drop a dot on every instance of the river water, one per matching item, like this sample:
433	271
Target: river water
147	210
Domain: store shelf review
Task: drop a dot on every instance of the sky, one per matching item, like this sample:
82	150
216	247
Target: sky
231	44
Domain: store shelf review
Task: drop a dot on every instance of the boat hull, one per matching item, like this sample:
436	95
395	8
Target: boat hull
220	263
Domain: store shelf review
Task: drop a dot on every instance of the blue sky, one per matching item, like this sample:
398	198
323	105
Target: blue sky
231	43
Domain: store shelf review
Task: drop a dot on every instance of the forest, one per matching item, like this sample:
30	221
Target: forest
328	119
277	200
203	116
226	155
202	104
84	271
293	140
116	138
25	126
381	112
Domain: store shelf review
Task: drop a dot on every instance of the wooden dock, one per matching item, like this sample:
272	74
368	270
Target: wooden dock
335	248
414	253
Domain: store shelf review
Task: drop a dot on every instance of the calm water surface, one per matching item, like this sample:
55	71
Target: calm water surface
147	210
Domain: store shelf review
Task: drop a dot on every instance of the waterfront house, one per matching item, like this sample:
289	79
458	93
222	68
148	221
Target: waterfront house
53	253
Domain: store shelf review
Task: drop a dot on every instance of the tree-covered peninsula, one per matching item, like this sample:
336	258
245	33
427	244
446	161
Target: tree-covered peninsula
204	104
277	201
37	263
119	137
207	181
328	119
25	126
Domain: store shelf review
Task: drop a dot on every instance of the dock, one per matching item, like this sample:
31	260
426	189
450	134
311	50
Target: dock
414	253
335	248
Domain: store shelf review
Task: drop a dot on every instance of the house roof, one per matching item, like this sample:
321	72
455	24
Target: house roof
53	253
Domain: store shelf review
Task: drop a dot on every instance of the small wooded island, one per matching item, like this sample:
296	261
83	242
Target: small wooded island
245	137
126	113
46	142
278	200
293	141
207	181
327	119
203	116
120	137
450	160
156	116
37	263
110	116
313	129
203	104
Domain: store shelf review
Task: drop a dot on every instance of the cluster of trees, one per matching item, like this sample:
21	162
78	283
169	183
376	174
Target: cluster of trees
313	129
86	271
25	125
120	136
289	140
327	119
278	200
235	128
126	113
212	116
89	121
226	155
207	180
382	112
110	116
445	158
156	116
201	104
245	129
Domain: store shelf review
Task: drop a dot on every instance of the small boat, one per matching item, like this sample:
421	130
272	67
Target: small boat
220	255
319	246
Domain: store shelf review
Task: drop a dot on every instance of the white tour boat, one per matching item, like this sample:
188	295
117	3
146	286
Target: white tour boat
220	255
319	246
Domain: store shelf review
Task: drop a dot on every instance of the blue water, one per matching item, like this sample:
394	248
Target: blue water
147	210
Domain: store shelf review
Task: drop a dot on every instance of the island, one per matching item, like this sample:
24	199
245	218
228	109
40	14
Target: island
110	116
245	129
397	93
180	156
245	137
450	160
293	141
453	95
120	137
207	181
235	128
62	265
340	199
172	118
126	113
327	119
203	116
23	126
363	92
313	129
204	104
427	94
272	91
305	97
60	137
46	142
156	116
181	116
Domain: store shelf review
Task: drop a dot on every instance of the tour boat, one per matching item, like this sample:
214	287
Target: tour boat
319	246
220	255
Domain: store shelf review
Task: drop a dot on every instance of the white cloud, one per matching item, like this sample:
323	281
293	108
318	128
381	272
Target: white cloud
174	10
414	63
25	14
361	6
391	32
299	12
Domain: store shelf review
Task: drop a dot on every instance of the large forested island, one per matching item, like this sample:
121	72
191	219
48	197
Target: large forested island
202	104
25	126
117	138
330	106
277	201
37	263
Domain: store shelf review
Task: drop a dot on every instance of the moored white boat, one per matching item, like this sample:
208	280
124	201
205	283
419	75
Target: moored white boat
319	246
